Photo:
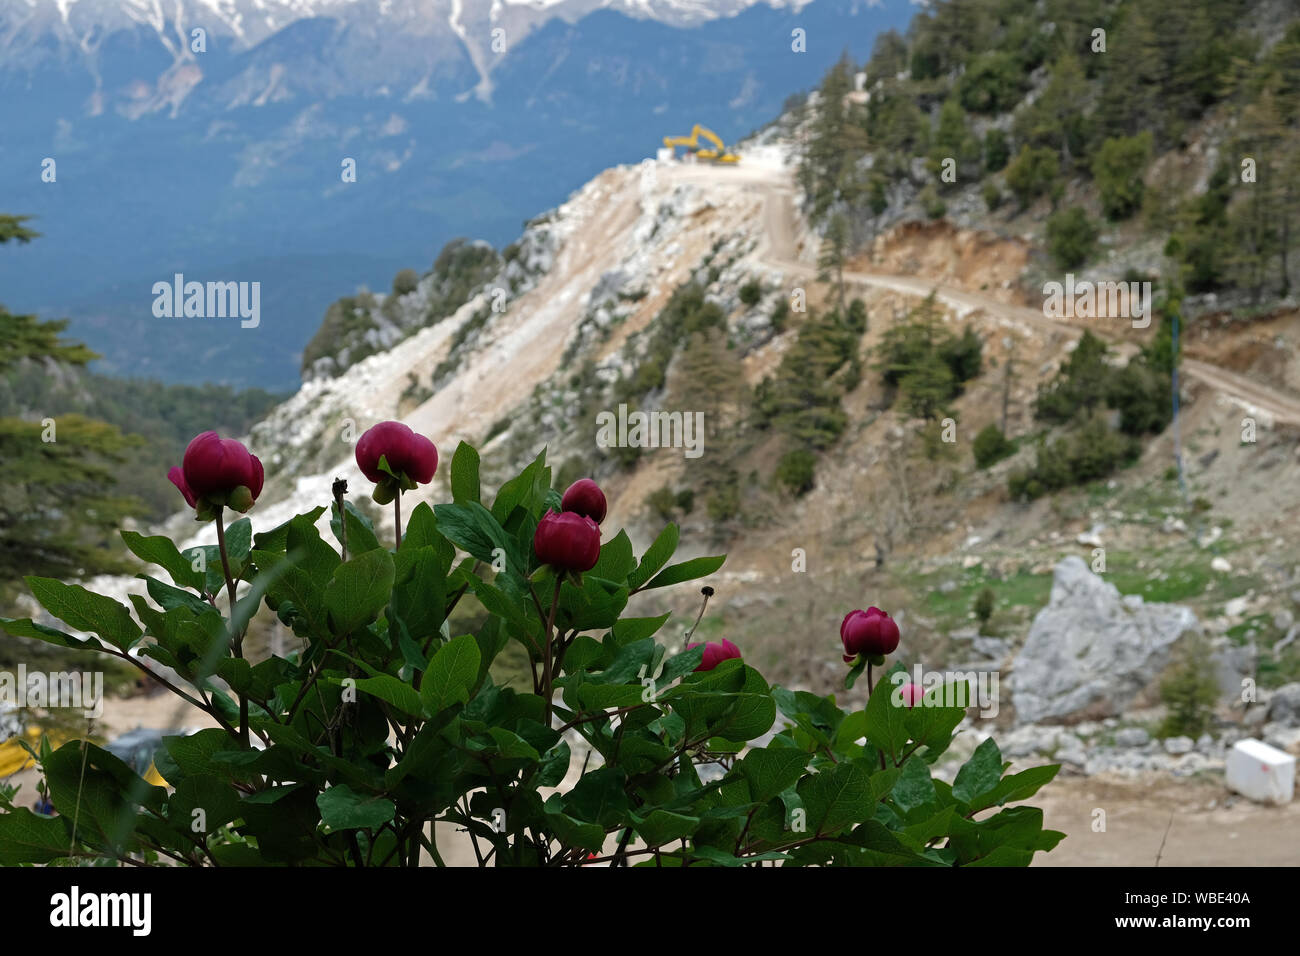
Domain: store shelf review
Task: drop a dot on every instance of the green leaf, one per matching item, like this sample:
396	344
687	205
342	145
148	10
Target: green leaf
723	858
598	797
277	539
99	791
26	627
679	665
26	837
464	474
308	551
361	530
450	675
359	589
499	604
836	799
930	723
588	836
1018	786
421	528
616	559
527	490
169	597
218	800
655	557
387	687
594	697
239	544
914	787
851	729
629	630
191	754
472	528
770	772
87	611
686	571
161	551
554	766
419	591
293	595
662	826
511	746
980	774
342	808
886	724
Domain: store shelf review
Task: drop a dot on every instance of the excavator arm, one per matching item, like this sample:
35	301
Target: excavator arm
719	154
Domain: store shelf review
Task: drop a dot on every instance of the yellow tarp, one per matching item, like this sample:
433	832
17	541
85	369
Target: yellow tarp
14	758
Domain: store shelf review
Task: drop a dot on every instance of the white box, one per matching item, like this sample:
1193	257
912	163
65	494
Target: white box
1260	772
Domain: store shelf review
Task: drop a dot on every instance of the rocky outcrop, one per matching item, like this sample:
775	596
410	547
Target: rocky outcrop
1091	651
1284	705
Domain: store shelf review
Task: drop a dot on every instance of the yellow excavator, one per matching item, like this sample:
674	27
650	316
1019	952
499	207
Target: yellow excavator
719	154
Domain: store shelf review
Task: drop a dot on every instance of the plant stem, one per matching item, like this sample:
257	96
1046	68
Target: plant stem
341	489
237	639
397	518
698	617
546	655
225	561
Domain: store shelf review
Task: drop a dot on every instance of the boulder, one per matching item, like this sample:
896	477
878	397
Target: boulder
1132	737
1091	651
1284	705
1232	664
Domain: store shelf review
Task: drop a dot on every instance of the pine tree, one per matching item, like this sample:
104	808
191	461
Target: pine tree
837	138
834	252
60	500
1056	119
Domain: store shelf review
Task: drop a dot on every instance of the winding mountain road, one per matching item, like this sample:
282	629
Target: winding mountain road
781	249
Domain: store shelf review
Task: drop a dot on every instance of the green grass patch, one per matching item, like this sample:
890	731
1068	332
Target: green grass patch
953	607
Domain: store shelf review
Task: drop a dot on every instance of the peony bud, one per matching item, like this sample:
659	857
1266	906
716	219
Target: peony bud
871	632
715	654
567	541
396	459
584	497
912	694
216	473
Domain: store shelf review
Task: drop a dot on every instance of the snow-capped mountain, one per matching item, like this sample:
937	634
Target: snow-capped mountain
416	32
314	146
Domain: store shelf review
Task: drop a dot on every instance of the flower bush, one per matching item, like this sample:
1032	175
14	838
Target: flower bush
388	720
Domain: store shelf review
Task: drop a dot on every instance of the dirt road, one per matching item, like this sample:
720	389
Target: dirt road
787	238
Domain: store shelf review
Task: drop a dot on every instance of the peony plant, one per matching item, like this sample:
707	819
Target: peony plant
388	718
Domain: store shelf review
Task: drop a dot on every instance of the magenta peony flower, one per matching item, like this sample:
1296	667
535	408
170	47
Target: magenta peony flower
406	453
567	541
912	694
218	472
871	632
584	497
715	654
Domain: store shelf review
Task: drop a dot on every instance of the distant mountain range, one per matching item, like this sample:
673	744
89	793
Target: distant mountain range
223	154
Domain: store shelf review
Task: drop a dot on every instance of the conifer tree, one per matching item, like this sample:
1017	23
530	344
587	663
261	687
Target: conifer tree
60	502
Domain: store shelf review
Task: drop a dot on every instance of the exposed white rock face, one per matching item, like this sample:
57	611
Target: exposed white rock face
1092	649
